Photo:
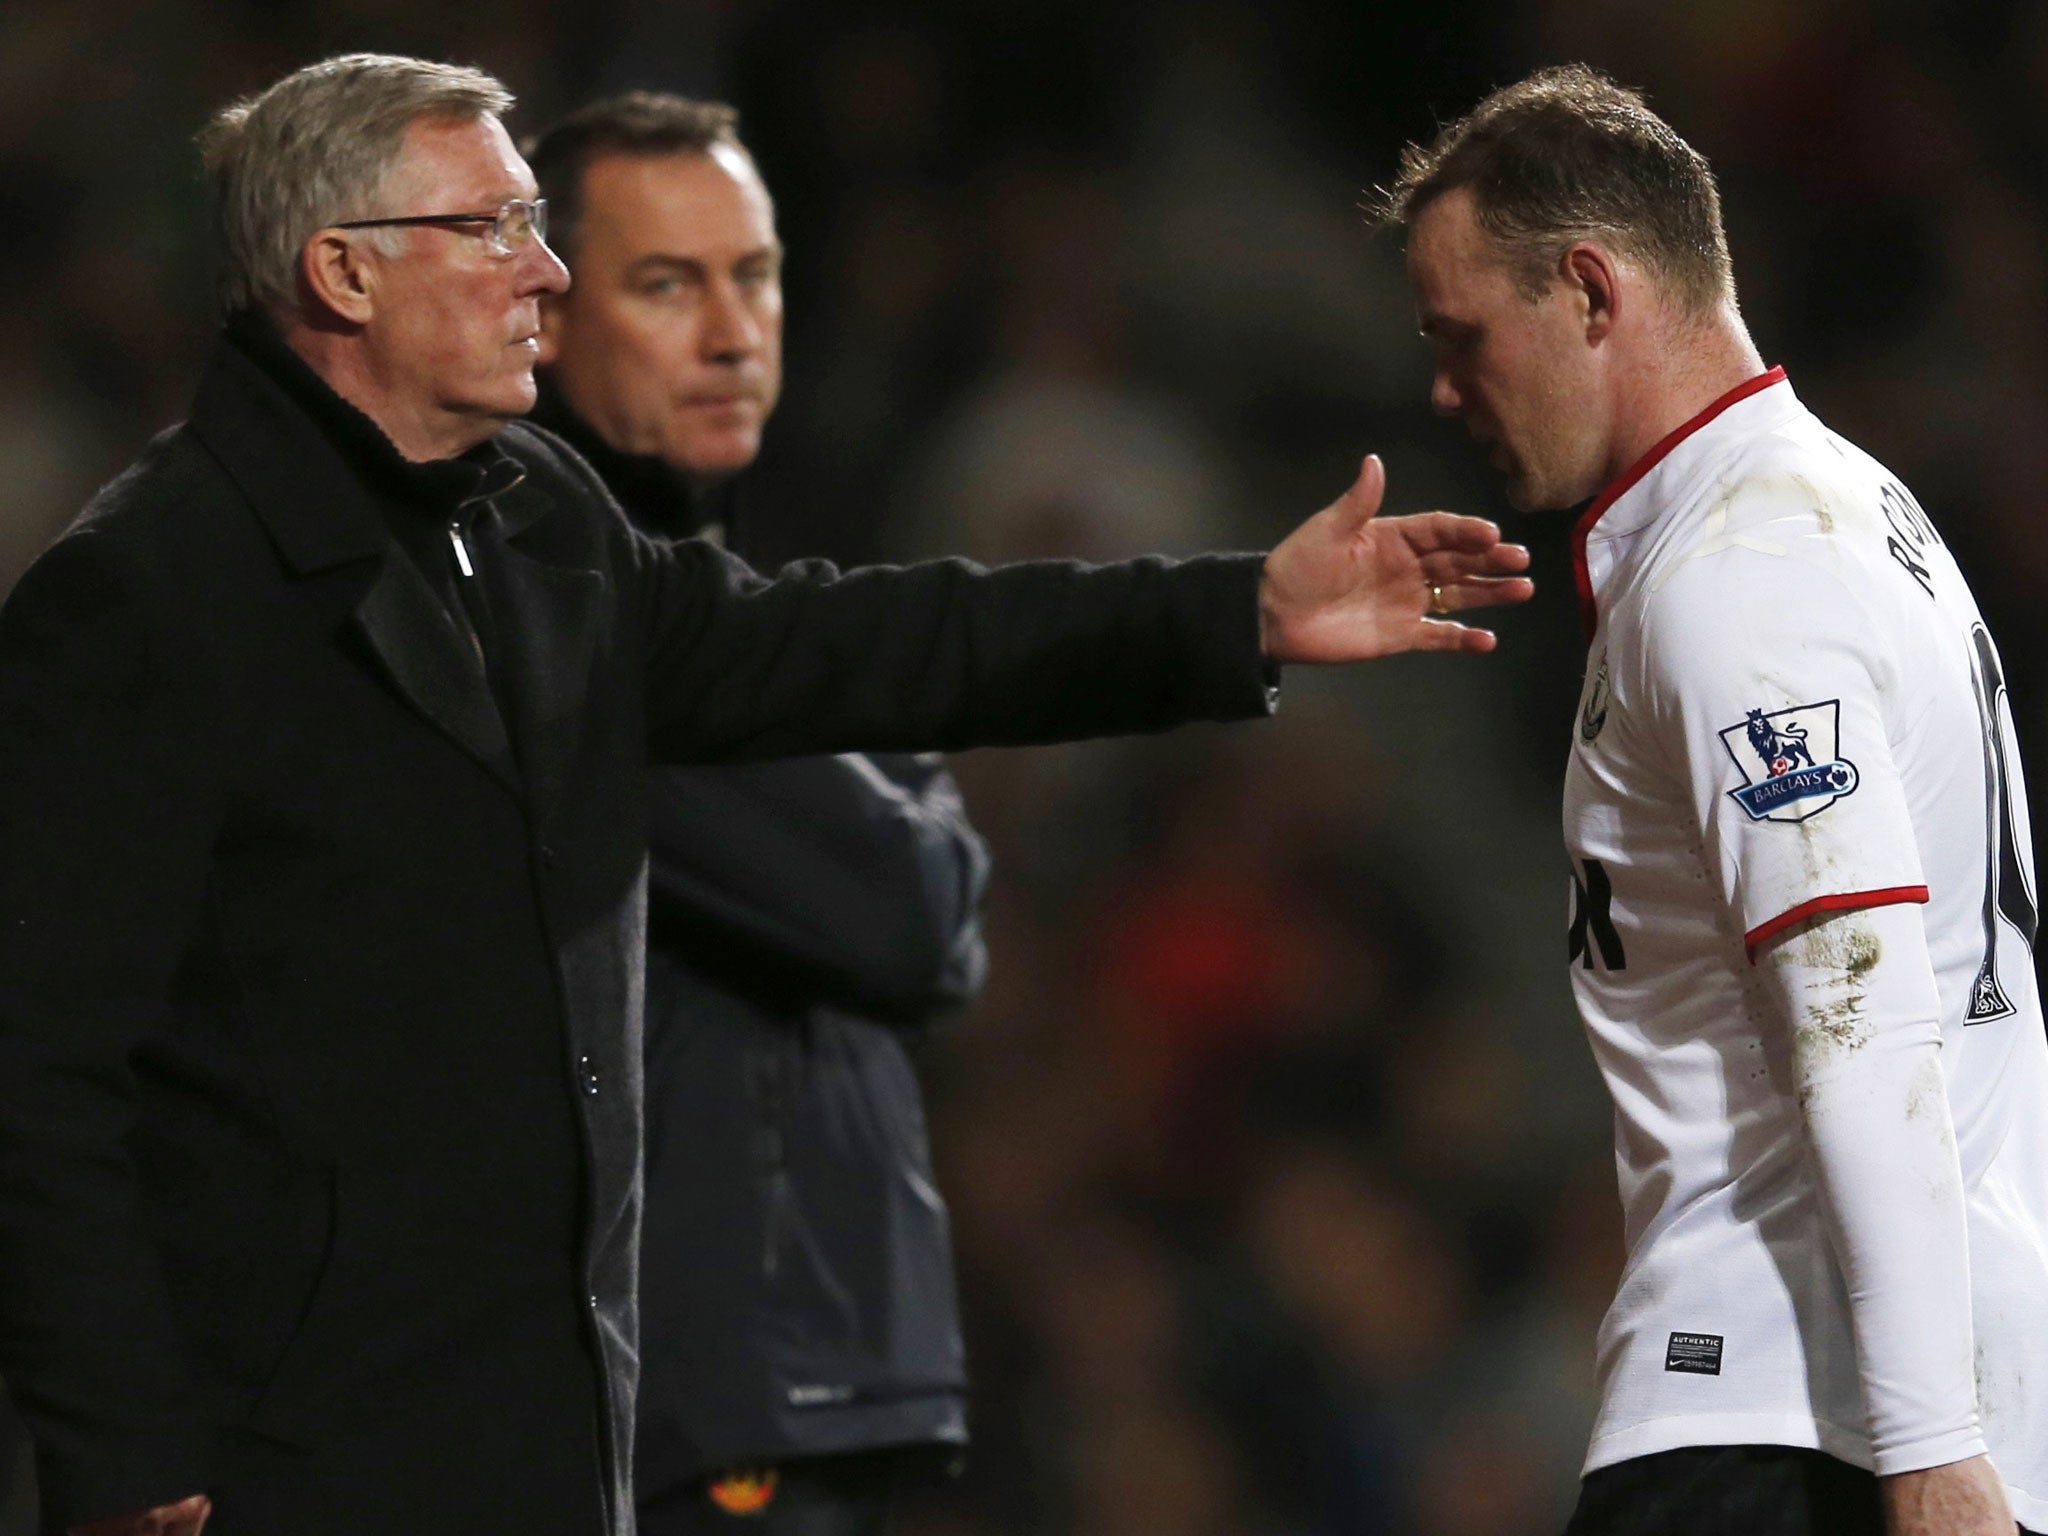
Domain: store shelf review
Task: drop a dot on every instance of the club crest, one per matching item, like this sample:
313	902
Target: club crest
1593	713
1790	762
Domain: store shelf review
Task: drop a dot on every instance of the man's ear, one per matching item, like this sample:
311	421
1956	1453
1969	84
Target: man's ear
339	276
1593	278
551	322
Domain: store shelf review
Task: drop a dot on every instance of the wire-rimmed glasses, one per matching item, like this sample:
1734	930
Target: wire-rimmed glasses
513	226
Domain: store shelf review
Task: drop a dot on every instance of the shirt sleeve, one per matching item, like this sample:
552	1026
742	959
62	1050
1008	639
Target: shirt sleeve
1770	683
1854	994
942	655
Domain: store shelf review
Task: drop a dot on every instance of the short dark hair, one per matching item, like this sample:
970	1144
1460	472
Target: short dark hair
631	123
1568	155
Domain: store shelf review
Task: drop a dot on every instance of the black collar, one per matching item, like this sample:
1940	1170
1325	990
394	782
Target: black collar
660	498
330	484
435	486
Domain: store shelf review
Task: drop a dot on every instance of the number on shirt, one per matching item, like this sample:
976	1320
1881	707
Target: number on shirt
1911	536
2008	893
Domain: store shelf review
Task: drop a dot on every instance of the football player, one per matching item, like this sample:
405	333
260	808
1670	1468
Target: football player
1803	900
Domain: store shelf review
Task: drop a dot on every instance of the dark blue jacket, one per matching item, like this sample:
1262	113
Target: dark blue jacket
806	919
796	1274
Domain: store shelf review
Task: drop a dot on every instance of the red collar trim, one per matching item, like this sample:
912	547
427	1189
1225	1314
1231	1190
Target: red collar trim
1589	614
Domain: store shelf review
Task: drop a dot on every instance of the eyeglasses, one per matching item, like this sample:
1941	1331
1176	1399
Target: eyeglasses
514	226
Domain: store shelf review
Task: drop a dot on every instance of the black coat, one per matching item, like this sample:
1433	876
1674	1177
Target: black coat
806	917
320	975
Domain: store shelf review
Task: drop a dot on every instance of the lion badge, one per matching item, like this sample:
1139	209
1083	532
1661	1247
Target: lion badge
1790	764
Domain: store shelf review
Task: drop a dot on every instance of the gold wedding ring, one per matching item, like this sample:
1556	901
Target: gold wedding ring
1436	599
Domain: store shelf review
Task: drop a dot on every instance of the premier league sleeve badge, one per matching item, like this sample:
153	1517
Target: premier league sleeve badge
1791	766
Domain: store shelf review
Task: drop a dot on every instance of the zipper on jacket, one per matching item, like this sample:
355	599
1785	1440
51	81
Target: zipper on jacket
465	570
458	543
770	1085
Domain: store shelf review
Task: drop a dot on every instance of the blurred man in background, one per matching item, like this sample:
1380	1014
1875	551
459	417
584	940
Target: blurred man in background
801	1350
1803	897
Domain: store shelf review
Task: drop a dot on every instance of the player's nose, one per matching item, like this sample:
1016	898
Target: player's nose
1444	396
541	270
730	330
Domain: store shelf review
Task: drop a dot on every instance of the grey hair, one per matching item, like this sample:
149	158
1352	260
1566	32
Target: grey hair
315	149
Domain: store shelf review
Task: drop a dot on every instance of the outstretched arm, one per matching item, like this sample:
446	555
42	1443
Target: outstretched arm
948	655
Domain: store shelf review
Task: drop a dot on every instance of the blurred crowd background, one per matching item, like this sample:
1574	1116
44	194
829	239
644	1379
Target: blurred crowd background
1281	1176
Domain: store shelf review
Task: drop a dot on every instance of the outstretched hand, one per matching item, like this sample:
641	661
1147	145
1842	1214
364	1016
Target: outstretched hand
187	1517
1346	586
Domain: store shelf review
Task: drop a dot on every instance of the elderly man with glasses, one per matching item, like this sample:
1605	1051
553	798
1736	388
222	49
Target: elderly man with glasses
322	847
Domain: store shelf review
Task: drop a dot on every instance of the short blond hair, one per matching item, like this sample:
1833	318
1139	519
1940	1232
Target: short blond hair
1568	155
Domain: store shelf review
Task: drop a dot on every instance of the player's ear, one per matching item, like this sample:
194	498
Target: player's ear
334	275
1593	279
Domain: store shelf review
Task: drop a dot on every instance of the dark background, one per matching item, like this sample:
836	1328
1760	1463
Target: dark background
1282	1182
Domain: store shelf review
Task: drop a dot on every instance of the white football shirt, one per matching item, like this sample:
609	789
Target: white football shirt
1792	707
